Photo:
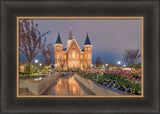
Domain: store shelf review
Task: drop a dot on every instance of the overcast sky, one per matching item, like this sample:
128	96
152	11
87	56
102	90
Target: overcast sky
108	37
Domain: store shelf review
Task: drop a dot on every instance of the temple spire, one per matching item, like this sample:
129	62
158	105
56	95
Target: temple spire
87	42
58	41
70	33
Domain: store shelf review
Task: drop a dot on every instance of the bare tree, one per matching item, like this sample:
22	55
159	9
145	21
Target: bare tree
47	52
98	62
131	57
22	61
30	40
61	62
22	58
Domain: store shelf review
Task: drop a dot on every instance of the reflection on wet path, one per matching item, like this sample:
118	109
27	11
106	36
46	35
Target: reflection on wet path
67	85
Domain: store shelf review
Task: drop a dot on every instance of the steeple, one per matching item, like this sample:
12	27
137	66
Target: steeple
58	39
87	42
70	34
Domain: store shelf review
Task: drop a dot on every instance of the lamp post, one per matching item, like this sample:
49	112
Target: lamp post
40	64
36	61
106	66
48	68
119	62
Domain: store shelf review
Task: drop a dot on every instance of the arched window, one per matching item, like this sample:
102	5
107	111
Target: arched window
73	64
73	54
89	56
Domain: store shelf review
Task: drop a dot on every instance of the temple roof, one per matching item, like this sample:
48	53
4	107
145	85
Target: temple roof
87	42
58	41
64	49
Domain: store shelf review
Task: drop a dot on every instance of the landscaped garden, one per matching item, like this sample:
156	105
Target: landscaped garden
126	81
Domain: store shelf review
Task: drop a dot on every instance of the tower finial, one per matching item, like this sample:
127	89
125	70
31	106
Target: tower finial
70	27
70	33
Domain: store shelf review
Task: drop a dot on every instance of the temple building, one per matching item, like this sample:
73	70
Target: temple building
72	57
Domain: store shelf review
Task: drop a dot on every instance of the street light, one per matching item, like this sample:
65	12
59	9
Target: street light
49	69
106	66
124	65
36	61
119	62
40	64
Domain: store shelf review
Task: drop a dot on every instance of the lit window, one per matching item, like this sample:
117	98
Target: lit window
73	64
89	56
73	54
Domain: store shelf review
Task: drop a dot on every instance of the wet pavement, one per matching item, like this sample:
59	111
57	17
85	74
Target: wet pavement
66	86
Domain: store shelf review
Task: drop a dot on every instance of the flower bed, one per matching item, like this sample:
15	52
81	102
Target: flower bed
127	81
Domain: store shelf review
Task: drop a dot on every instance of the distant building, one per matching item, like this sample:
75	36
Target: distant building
110	66
126	68
72	57
22	68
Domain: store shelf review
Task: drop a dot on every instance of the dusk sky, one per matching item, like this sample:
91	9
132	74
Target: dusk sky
109	37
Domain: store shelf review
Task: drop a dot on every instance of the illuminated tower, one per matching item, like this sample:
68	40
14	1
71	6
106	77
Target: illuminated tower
58	51
87	53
